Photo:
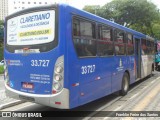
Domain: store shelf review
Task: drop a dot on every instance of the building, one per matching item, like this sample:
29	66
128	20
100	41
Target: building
3	9
17	5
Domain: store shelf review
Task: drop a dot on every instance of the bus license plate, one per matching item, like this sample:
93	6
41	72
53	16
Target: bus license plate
27	85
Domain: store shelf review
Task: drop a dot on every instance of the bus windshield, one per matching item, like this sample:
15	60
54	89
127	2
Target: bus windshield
32	30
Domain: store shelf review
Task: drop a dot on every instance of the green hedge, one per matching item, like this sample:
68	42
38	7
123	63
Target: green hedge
1	69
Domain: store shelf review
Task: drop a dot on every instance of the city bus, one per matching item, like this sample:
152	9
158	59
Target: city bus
157	55
63	57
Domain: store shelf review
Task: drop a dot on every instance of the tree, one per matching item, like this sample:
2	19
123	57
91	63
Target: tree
92	9
1	23
156	29
136	14
140	15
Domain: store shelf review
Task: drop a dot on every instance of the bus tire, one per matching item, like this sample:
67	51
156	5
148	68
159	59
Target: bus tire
124	85
152	66
158	68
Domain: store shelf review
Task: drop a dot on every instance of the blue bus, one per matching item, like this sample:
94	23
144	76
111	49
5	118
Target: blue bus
63	57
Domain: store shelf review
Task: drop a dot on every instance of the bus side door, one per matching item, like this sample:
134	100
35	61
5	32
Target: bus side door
137	58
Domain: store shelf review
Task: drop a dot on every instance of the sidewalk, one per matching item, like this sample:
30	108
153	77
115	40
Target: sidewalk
7	101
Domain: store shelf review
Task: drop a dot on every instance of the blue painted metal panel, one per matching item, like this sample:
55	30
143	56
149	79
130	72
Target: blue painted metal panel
20	70
131	68
120	65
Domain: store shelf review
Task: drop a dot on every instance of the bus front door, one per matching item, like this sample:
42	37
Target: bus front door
137	58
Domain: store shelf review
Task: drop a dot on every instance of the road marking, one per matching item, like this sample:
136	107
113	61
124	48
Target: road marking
157	78
133	96
153	81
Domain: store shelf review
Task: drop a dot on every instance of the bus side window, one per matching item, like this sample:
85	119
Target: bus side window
76	28
148	44
143	46
130	44
120	42
153	47
105	42
84	41
150	47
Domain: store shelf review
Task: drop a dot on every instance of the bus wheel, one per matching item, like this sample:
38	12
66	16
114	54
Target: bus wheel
125	84
158	68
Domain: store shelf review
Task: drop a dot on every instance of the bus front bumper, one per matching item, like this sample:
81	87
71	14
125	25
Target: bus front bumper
59	100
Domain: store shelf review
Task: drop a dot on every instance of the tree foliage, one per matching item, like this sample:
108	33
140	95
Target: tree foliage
95	9
140	15
1	23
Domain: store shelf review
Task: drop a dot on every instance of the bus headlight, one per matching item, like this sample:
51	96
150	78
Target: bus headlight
57	86
59	69
58	77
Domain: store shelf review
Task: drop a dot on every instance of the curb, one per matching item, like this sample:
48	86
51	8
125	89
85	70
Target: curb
10	104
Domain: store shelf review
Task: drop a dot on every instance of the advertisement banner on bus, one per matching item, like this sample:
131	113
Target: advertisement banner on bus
31	28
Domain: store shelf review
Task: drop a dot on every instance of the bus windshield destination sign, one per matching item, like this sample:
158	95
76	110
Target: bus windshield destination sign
31	28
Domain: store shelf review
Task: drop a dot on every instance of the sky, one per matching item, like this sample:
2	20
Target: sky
76	3
81	3
156	2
